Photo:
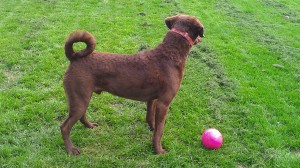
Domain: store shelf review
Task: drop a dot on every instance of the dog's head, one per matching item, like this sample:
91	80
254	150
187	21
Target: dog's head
189	24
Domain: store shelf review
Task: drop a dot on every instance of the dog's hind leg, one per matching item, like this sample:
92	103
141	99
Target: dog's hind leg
85	121
87	124
150	117
78	103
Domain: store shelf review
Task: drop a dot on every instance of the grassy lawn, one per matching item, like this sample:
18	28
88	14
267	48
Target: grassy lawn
243	79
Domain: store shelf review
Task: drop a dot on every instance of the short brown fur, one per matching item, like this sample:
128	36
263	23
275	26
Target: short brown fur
152	76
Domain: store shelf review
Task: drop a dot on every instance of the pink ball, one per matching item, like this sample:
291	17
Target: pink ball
212	138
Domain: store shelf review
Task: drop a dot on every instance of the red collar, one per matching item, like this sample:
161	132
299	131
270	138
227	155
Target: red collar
186	36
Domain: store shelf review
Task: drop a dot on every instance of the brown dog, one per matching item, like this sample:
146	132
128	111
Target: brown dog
152	76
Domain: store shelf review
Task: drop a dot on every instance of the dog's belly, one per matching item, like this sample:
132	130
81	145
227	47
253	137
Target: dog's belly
135	94
141	90
131	92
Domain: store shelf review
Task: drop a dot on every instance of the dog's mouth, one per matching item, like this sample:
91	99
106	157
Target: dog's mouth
197	41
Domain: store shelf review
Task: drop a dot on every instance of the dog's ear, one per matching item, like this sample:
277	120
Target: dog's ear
201	31
170	21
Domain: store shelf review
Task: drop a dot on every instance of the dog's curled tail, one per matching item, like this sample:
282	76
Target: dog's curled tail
79	36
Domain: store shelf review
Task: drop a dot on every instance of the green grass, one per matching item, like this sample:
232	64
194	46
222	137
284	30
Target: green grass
232	82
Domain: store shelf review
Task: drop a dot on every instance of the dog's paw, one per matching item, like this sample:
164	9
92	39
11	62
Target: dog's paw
92	125
74	151
161	152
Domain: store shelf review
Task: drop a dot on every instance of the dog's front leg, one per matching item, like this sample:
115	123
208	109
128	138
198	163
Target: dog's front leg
160	116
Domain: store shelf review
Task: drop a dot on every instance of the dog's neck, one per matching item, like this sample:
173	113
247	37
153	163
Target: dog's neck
177	43
187	36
